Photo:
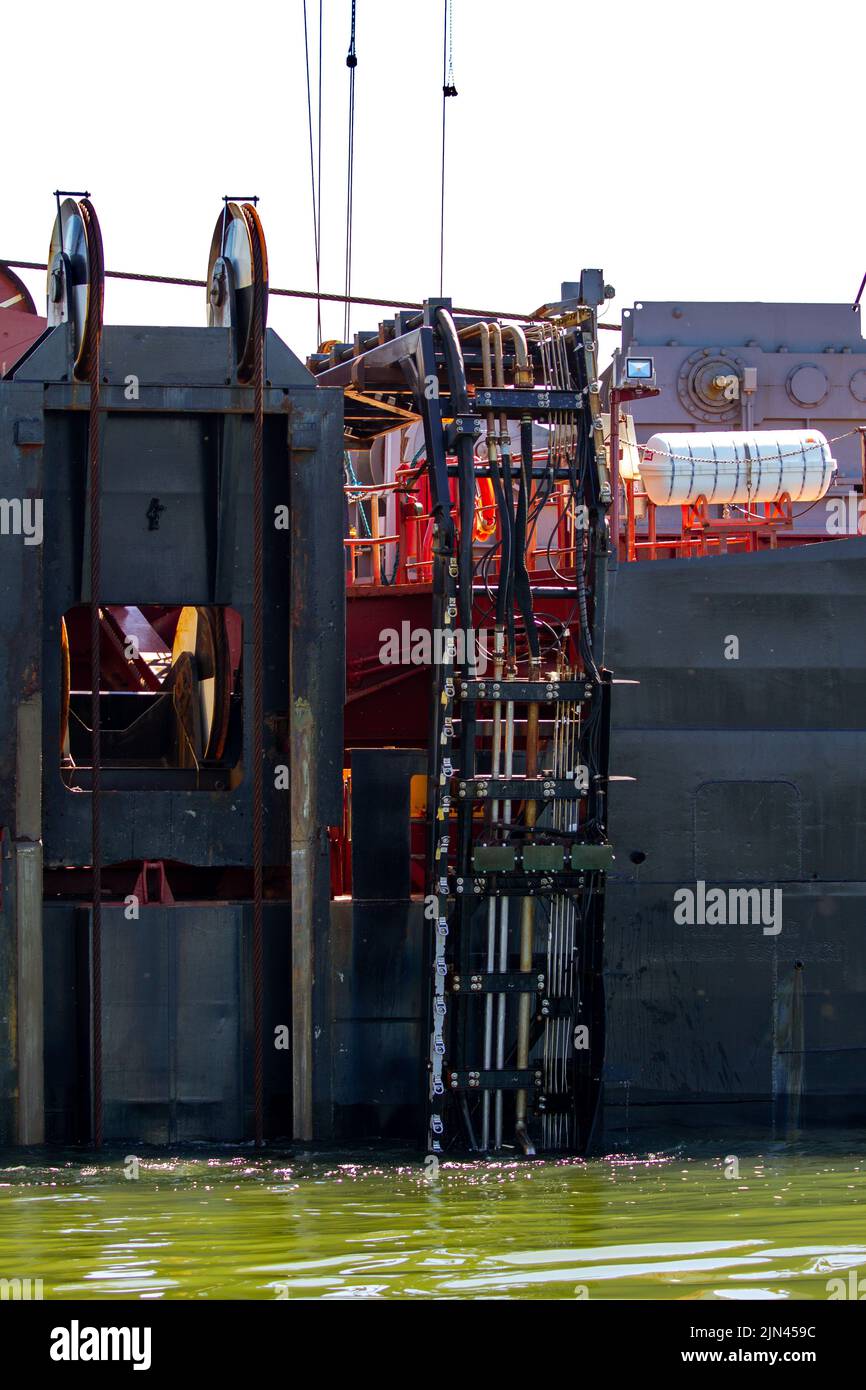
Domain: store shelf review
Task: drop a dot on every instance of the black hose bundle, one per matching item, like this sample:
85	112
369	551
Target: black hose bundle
522	588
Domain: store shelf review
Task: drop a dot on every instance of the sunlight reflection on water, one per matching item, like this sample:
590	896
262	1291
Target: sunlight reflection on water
669	1225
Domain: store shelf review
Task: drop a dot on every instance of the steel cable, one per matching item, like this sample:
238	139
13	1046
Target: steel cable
351	64
92	344
187	282
316	186
257	327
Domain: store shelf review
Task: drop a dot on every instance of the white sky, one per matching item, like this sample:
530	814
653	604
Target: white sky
693	151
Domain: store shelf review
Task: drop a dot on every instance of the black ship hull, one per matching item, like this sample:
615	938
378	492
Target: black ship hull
749	775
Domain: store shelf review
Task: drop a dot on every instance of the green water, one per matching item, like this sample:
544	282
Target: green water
669	1225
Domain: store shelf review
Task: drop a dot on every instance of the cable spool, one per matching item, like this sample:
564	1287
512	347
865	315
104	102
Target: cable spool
14	294
65	686
201	635
76	278
237	281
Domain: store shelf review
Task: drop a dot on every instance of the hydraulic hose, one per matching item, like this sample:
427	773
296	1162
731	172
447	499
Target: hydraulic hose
522	589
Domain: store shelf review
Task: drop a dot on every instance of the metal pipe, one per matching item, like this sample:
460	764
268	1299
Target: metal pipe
466	476
499	647
503	930
505	560
504	435
504	588
483	331
522	372
527	923
522	587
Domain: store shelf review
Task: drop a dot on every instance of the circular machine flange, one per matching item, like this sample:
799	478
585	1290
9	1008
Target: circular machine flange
807	385
237	280
76	278
703	385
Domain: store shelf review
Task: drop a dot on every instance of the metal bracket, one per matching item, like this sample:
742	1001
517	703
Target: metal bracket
514	692
562	1006
519	789
507	1080
555	860
468	426
500	982
527	402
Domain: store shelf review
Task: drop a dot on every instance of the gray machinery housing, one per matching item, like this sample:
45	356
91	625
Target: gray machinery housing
748	770
796	366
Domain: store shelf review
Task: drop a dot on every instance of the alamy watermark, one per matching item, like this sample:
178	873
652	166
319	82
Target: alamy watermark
22	516
21	1290
852	1287
420	646
77	1343
846	516
729	907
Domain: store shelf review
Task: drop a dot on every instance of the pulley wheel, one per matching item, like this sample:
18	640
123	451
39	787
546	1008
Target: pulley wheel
202	634
76	278
14	294
65	685
237	280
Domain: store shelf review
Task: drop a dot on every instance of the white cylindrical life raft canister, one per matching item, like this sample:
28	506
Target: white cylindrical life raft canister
737	467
